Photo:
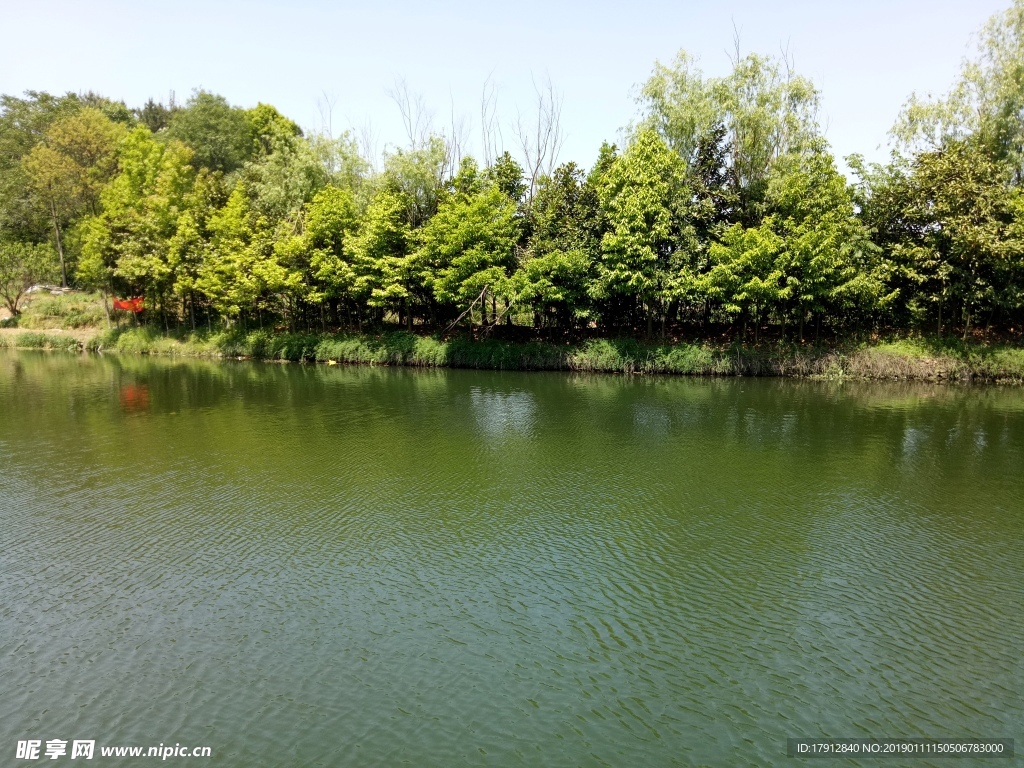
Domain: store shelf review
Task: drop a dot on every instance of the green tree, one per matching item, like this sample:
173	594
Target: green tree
468	247
345	167
639	197
386	269
321	255
419	176
189	247
128	244
831	265
507	175
748	271
284	179
23	124
155	115
218	134
962	249
269	130
115	111
564	247
766	110
711	206
23	265
69	167
986	104
230	277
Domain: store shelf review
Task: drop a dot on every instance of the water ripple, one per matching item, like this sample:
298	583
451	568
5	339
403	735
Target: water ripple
312	566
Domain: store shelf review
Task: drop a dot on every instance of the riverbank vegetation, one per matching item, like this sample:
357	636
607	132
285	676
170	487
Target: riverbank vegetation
720	238
923	359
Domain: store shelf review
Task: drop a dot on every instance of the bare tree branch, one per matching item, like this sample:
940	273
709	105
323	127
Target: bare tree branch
734	57
456	141
325	106
490	128
542	140
416	118
469	309
366	140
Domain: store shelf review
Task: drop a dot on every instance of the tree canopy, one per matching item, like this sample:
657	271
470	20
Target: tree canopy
723	212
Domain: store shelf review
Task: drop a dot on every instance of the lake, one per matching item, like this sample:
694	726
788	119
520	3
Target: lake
322	566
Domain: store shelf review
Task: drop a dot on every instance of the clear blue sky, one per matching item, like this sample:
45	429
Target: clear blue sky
866	57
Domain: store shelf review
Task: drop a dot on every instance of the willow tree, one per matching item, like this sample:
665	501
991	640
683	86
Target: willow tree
985	104
766	110
948	206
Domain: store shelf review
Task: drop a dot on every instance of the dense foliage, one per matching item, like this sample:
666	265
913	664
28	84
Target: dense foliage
723	212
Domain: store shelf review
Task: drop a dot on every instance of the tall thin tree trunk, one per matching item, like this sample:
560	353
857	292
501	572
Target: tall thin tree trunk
60	244
106	307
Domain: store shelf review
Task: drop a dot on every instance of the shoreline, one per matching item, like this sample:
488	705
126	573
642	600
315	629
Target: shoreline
906	359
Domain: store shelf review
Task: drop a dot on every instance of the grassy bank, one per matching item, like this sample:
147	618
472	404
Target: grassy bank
69	342
920	359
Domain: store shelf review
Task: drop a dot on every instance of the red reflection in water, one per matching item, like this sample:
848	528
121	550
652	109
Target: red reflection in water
134	398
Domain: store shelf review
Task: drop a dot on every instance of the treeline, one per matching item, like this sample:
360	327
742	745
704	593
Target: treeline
723	212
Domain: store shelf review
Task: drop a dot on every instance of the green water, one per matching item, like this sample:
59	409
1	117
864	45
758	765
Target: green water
313	566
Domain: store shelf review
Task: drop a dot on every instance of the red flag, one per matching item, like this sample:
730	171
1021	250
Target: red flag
129	305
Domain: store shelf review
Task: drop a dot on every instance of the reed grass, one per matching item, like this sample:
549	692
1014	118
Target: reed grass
907	359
